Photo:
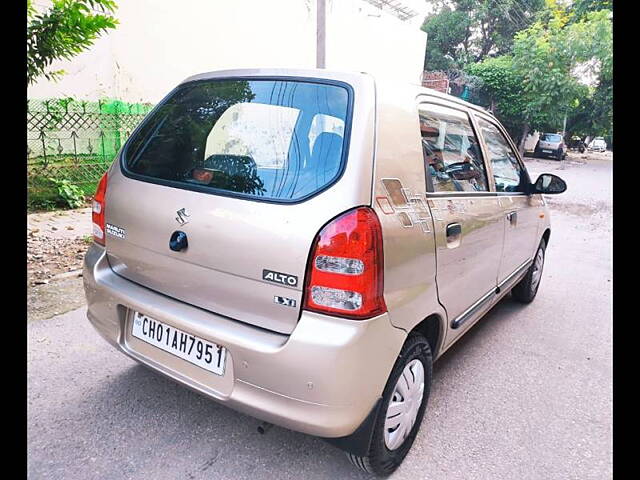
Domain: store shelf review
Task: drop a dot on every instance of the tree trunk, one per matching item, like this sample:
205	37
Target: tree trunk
523	138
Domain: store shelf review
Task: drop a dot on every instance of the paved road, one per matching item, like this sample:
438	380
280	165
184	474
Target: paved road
526	394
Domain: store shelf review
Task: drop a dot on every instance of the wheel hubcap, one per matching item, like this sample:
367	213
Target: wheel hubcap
404	405
537	270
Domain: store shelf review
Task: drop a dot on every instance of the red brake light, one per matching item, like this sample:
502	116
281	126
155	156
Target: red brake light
97	208
345	272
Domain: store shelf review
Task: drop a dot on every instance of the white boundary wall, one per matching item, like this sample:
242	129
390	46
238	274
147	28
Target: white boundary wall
158	43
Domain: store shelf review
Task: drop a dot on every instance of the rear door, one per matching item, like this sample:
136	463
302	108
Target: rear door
519	210
248	171
468	220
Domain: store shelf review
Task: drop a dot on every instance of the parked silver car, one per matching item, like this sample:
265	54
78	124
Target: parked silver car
301	245
598	144
551	145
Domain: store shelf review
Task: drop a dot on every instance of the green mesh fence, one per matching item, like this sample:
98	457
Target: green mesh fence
75	141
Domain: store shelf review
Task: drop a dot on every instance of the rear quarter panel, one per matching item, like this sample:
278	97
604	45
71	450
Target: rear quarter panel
400	202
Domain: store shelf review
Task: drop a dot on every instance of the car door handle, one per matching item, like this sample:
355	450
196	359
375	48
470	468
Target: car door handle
513	218
454	232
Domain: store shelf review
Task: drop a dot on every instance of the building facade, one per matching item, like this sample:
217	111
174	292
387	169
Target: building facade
159	43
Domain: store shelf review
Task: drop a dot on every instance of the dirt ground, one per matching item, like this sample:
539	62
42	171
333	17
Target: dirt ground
56	244
57	241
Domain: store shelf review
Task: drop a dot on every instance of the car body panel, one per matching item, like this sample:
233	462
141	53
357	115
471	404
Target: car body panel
310	372
289	380
233	240
399	192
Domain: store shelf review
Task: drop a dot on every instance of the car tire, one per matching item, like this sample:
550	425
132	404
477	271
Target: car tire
382	460
527	288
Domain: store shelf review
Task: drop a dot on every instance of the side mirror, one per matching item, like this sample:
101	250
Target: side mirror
549	184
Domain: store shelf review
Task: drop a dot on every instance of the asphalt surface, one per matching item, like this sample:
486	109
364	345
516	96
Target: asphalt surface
525	394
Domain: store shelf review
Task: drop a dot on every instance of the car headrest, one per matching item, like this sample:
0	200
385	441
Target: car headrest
327	145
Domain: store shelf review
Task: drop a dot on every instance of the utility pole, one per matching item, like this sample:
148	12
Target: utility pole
564	129
321	28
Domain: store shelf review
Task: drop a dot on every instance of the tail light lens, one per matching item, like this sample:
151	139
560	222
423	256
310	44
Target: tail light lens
345	272
97	211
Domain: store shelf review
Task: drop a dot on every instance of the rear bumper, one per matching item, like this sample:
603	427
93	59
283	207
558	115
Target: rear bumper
550	151
323	379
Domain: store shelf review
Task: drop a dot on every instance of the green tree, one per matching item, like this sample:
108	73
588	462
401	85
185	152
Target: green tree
591	38
501	90
536	86
63	31
447	39
464	31
583	7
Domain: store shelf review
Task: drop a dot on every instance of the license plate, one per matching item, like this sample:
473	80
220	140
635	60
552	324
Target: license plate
193	349
546	151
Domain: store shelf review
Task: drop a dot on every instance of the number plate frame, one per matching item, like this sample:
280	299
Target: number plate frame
179	343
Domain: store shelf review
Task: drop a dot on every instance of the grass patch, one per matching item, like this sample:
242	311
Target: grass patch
42	195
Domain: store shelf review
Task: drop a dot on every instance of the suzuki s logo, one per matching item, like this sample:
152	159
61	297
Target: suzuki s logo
182	214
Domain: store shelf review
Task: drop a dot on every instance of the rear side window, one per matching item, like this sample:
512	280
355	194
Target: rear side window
451	151
265	139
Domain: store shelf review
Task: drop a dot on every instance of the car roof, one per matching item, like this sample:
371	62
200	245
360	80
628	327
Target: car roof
352	78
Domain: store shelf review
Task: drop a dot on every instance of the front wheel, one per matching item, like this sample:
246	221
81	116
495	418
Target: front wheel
403	404
527	288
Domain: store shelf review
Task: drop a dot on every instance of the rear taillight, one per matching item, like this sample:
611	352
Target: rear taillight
345	272
97	208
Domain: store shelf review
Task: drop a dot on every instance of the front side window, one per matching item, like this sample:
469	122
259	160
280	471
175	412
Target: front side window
507	172
451	152
267	139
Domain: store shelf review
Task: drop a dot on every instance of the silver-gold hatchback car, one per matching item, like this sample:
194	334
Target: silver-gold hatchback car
301	245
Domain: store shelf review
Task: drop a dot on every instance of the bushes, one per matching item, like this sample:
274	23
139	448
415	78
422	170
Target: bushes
46	193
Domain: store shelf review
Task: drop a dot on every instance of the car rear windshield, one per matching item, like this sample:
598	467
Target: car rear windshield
551	137
264	139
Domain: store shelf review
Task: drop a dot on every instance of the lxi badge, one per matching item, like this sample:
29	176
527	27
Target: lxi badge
287	302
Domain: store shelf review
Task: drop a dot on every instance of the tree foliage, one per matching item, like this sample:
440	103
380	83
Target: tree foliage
535	85
63	31
501	90
583	7
465	31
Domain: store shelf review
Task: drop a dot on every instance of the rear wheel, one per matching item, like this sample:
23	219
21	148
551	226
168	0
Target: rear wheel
527	288
403	404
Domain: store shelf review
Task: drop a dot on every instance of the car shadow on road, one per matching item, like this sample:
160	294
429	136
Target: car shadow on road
487	327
